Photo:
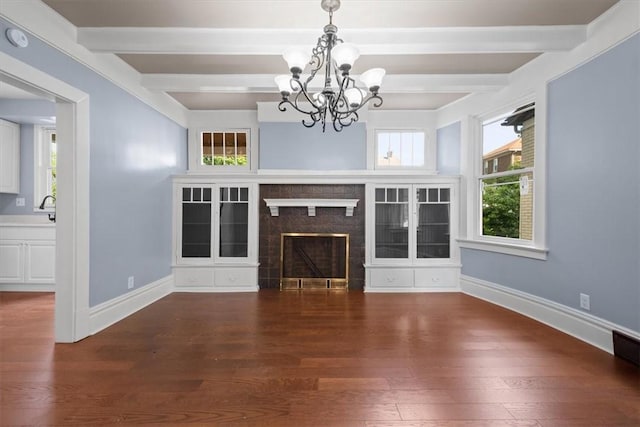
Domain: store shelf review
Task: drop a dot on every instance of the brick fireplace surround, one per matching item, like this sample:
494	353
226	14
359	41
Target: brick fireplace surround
296	220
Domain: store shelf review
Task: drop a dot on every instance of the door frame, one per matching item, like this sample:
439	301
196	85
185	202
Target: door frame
72	203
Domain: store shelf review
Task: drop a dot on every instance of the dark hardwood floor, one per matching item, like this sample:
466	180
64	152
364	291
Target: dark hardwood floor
309	359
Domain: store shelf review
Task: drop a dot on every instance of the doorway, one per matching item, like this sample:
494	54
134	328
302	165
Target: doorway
72	226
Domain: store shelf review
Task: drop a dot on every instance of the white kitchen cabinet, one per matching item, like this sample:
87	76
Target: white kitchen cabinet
27	257
9	157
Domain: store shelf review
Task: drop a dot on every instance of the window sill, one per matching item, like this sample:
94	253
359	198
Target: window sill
505	248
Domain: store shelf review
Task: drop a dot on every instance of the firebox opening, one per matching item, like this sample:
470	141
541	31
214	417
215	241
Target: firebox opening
314	261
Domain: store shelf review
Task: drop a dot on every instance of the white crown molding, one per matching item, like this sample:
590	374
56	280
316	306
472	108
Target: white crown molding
378	41
616	25
44	23
264	83
581	325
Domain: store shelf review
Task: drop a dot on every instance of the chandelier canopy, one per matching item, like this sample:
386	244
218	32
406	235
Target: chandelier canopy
340	99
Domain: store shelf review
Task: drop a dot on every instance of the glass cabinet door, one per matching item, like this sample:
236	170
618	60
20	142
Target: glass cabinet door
234	222
196	222
433	224
392	223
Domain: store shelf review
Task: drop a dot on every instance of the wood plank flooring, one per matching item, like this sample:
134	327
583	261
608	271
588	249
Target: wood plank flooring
309	359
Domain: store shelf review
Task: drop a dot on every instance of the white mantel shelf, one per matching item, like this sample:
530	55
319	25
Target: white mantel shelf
311	204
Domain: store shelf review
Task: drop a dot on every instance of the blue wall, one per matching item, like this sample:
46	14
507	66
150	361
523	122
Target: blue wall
448	149
293	146
134	151
593	187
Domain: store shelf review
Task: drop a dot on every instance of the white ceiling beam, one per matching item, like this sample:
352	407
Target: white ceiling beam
260	83
400	41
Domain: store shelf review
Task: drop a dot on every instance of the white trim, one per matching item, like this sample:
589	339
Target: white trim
266	176
370	41
586	327
27	287
264	83
213	290
505	248
72	236
106	314
614	26
473	170
50	27
423	290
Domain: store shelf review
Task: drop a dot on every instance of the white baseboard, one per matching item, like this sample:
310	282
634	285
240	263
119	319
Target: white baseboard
27	287
586	327
226	289
371	290
106	314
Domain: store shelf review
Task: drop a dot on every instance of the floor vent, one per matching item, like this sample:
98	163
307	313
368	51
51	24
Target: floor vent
626	347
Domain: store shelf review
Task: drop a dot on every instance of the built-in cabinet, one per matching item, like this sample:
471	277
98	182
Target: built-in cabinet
27	257
411	230
9	157
215	229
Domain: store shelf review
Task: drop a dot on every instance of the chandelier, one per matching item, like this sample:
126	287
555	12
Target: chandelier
340	99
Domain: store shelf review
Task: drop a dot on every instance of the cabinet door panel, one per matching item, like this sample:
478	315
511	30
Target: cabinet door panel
40	263
236	277
11	262
391	278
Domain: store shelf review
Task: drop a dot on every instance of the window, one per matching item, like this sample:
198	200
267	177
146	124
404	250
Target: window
507	193
45	166
225	148
400	149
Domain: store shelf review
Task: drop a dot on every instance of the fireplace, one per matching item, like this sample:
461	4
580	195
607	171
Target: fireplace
314	261
327	220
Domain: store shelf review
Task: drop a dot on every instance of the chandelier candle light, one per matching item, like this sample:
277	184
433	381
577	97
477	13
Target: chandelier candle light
334	56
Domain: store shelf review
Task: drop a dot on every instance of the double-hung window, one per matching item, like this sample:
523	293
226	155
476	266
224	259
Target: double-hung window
508	192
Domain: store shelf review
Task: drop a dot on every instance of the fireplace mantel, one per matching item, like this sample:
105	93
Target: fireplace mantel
311	204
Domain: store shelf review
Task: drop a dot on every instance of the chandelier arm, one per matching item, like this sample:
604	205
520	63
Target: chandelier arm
330	100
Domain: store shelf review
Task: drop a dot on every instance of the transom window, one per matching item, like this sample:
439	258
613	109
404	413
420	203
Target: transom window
400	149
506	188
225	148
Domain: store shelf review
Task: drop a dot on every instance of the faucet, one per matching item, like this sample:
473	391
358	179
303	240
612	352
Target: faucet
52	216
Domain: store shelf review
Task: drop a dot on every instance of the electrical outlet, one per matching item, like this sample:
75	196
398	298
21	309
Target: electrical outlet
130	282
585	302
20	201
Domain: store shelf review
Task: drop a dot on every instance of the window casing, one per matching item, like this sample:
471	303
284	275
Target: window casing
400	149
525	175
45	160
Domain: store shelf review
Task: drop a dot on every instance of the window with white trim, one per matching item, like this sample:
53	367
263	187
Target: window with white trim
507	193
400	149
45	166
225	148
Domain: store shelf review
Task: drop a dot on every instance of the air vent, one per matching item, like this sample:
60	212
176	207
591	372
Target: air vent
626	347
